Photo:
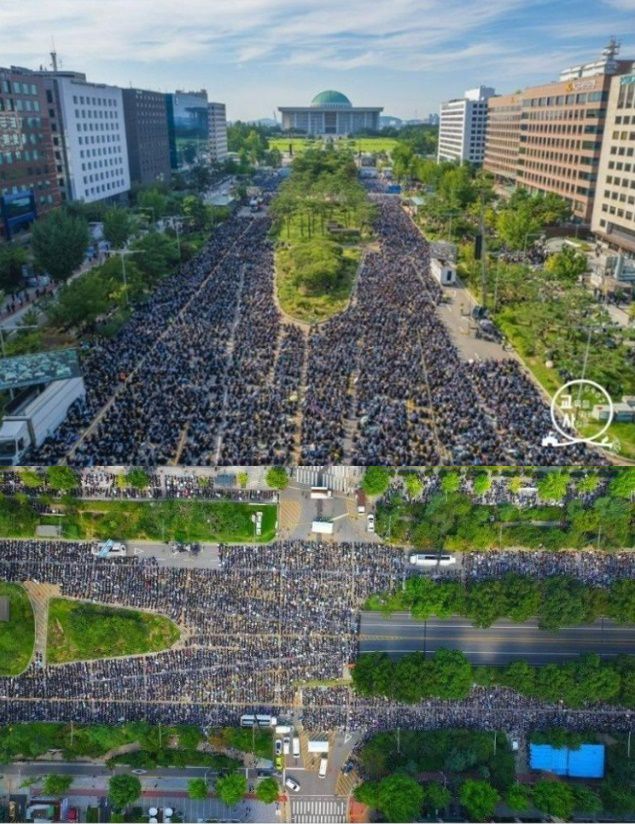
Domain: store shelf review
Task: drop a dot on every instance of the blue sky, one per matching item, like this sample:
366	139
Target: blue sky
405	55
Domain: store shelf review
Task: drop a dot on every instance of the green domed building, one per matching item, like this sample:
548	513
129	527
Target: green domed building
330	113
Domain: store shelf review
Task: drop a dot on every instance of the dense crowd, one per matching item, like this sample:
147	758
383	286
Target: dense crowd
267	619
206	372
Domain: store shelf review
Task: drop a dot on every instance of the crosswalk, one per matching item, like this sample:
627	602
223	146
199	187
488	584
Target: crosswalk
318	810
338	478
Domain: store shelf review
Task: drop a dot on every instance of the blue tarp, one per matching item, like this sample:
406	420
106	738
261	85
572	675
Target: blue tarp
585	762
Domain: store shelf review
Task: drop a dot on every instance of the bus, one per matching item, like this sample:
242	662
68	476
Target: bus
296	746
324	762
425	560
320	493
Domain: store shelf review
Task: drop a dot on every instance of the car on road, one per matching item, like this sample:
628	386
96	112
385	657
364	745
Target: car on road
370	522
286	745
292	784
278	746
279	763
139	772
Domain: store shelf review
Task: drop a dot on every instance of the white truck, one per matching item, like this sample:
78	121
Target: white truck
30	423
296	746
322	527
320	493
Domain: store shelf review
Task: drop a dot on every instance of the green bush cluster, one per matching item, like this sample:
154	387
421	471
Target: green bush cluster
556	601
448	674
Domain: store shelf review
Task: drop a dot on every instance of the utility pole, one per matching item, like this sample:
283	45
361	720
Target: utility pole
483	257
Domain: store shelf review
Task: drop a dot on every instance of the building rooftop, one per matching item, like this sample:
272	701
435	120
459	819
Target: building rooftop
332	100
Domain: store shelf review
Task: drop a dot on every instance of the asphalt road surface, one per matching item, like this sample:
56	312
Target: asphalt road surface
503	642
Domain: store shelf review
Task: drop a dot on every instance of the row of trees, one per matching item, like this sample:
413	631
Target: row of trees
447	674
556	601
453	521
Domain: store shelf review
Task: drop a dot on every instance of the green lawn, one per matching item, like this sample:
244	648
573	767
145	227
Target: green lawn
79	630
315	308
17	636
207	521
356	144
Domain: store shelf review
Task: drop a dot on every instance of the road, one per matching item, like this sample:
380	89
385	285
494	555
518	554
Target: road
503	642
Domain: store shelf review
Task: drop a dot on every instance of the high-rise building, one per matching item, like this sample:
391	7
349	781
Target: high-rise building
188	127
89	136
613	218
330	113
462	125
503	137
558	133
217	132
146	121
28	179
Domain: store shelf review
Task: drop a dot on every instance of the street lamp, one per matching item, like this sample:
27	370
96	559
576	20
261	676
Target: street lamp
122	253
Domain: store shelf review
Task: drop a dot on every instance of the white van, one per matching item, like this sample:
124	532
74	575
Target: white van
324	762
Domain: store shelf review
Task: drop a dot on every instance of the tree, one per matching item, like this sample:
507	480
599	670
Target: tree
413	484
623	482
450	482
197	789
59	242
277	477
553	486
117	227
12	259
518	797
195	212
61	478
56	784
400	798
376	480
517	226
243	479
566	265
482	483
479	799
268	790
158	256
554	798
585	800
437	797
231	788
123	790
138	478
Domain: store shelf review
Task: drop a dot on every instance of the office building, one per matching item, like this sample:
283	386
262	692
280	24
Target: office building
28	179
89	136
613	217
188	127
330	113
217	132
145	116
503	138
462	124
558	129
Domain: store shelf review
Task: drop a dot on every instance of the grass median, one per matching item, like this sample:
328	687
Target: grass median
79	630
203	521
17	635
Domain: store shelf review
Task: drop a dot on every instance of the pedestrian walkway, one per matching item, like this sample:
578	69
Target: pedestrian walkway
317	810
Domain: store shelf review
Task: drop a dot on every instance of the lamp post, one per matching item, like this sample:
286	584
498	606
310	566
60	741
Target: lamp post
122	253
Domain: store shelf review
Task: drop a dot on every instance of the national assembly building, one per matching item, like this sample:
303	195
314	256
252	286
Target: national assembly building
330	113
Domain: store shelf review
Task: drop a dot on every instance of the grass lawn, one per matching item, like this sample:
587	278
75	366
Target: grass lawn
17	636
206	521
551	381
356	144
315	308
79	630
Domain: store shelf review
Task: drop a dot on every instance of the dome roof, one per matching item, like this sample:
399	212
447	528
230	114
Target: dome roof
331	100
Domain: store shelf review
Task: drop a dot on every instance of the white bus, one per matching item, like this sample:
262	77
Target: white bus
425	560
324	762
320	492
296	746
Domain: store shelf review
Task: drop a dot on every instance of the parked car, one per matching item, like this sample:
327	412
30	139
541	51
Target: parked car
292	784
370	522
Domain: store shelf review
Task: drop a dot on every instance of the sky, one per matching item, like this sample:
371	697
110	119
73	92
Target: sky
256	55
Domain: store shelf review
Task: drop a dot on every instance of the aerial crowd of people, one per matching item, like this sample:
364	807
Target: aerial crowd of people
268	618
209	372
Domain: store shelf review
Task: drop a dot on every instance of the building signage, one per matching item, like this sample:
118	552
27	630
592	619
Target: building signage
582	85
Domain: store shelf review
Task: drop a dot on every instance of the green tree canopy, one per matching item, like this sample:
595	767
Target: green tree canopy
554	798
518	797
197	789
59	242
400	798
61	478
277	477
567	264
123	790
479	799
117	226
376	480
268	790
56	784
12	259
232	788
